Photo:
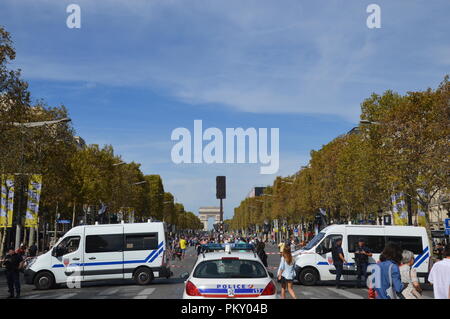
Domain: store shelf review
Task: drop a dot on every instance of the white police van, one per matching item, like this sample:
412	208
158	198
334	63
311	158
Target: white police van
314	262
100	252
229	271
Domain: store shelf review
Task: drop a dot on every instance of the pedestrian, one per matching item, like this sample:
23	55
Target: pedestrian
390	283
183	245
439	276
408	276
362	254
293	245
337	255
13	263
281	246
261	253
286	273
439	251
32	251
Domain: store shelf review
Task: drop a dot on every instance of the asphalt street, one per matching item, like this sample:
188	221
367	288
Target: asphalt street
172	288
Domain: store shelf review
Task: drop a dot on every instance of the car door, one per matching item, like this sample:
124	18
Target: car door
325	260
67	258
103	257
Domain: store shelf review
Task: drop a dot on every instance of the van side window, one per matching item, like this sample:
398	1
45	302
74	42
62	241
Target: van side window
104	243
374	243
327	244
69	244
413	244
147	241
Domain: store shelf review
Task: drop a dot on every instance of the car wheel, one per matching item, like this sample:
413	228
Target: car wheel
143	276
44	280
308	277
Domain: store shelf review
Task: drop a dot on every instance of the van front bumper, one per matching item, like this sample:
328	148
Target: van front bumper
29	276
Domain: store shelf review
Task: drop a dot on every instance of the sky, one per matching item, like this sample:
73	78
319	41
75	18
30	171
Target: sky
137	70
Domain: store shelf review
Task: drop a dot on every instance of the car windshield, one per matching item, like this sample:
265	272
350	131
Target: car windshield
230	268
314	241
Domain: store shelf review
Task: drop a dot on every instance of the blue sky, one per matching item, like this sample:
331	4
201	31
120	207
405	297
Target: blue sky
138	69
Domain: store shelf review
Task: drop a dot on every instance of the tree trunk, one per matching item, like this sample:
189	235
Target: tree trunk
31	237
2	241
410	213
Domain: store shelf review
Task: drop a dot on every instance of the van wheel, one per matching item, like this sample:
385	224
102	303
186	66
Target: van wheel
44	280
143	276
308	277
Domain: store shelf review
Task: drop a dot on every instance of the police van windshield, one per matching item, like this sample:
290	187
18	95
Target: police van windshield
314	241
230	268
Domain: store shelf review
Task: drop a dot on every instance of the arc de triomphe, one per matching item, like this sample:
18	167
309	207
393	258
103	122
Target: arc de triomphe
207	212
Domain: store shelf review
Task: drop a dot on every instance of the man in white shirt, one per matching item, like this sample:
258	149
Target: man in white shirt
439	276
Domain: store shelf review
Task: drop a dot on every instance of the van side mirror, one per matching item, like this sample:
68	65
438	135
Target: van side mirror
58	252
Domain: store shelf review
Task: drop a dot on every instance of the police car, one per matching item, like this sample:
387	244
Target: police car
229	271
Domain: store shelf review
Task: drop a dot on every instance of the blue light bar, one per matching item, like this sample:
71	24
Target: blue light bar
215	246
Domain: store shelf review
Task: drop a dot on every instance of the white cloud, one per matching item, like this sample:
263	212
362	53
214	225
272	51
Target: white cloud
253	56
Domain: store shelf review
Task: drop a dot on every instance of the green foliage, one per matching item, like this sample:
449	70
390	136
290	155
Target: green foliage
406	148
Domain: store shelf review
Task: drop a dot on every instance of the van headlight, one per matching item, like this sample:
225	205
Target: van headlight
30	262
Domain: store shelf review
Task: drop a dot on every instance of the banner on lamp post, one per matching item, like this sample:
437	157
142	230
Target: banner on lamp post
34	195
3	203
399	210
7	201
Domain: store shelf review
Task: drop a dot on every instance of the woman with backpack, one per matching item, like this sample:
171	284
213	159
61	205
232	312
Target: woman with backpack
390	285
286	273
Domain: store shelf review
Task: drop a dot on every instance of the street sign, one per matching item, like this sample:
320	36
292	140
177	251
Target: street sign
64	221
447	223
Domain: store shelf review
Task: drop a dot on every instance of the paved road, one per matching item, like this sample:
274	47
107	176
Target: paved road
172	288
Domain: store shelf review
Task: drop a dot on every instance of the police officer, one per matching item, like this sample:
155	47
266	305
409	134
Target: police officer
362	254
12	263
338	260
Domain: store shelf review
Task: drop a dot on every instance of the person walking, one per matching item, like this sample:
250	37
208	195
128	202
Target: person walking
32	251
13	262
362	254
390	283
281	246
408	276
183	245
439	276
337	255
286	273
262	253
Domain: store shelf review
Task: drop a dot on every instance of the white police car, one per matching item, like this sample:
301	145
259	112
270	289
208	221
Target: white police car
229	271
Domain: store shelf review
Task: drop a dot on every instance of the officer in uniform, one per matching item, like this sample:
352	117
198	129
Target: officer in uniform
362	254
338	260
13	262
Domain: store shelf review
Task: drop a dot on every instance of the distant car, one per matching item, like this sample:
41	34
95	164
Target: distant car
229	272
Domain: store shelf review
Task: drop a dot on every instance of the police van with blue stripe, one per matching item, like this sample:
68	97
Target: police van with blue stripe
229	271
314	262
101	252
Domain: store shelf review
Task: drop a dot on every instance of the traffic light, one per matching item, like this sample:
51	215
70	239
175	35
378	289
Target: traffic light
220	187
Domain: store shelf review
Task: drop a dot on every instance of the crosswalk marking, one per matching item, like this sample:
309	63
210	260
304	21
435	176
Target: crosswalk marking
345	293
144	293
110	292
66	296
